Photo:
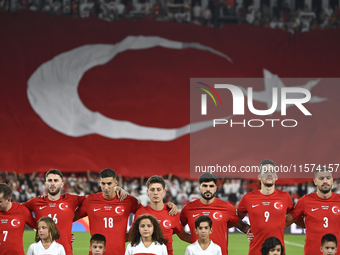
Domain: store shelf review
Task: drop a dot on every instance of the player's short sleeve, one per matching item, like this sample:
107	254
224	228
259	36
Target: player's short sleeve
135	204
183	216
29	204
30	221
178	228
233	217
290	204
242	206
298	210
82	209
80	200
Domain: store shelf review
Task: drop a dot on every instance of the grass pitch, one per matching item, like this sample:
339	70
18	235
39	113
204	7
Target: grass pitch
238	243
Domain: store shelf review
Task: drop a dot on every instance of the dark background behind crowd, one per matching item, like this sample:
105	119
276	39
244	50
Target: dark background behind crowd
289	15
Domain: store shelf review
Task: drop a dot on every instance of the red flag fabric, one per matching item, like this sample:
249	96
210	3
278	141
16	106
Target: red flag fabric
129	105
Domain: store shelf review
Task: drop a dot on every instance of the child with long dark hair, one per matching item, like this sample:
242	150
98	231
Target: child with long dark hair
272	246
45	236
146	237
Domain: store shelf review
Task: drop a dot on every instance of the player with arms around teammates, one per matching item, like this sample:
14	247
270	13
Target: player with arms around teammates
320	211
222	214
266	208
13	217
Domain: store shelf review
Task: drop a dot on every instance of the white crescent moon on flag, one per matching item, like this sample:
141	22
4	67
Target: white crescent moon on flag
53	92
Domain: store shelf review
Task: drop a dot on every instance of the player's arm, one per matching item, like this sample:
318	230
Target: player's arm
121	193
241	215
184	236
290	219
173	208
241	225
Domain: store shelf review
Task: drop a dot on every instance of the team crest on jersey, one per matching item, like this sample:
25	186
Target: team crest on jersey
167	224
15	223
217	216
336	210
119	210
63	206
278	205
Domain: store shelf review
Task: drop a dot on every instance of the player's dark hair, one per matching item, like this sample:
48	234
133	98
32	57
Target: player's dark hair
266	162
54	171
99	238
157	235
329	238
155	179
321	169
108	172
6	191
270	243
207	177
52	229
203	218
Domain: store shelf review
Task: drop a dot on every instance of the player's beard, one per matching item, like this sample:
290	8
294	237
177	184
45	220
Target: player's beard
53	193
208	198
325	191
268	185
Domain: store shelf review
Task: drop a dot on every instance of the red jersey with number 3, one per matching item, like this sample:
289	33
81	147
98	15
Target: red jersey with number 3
321	216
267	216
169	224
61	211
220	212
109	217
12	227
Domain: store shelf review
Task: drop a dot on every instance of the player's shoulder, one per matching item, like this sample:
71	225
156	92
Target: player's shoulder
252	193
143	210
335	196
220	202
94	196
191	204
281	193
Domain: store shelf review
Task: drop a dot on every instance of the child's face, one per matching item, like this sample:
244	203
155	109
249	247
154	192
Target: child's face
145	228
203	230
329	248
43	230
275	251
97	248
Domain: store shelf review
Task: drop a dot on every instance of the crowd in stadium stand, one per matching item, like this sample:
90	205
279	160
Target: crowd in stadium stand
215	13
179	190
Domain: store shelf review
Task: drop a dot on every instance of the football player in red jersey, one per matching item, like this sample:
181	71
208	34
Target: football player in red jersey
13	217
320	211
107	214
169	223
266	208
222	213
60	207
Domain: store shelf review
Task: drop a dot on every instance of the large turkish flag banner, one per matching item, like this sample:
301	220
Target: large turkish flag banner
86	94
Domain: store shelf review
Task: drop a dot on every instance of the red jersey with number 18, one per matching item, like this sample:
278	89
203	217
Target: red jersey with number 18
109	217
267	216
12	227
322	216
220	212
169	224
61	211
